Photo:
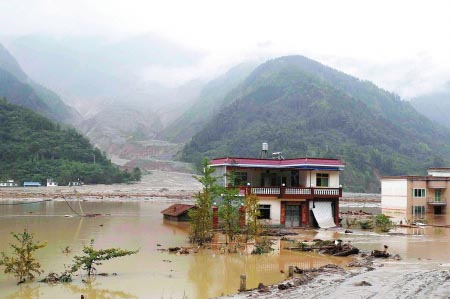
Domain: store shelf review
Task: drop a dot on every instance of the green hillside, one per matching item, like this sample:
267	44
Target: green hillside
20	90
211	99
303	108
33	148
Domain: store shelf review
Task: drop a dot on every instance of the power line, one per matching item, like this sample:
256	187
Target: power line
71	207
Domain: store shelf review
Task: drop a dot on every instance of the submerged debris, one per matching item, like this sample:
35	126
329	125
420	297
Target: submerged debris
54	278
285	286
381	253
278	233
262	288
362	283
332	247
178	250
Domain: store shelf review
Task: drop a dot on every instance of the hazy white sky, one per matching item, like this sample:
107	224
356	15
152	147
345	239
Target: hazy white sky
402	46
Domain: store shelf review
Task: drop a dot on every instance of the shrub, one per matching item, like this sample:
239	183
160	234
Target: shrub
22	264
92	258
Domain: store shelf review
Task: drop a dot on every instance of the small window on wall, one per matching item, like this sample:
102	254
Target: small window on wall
264	212
419	192
322	179
418	210
240	178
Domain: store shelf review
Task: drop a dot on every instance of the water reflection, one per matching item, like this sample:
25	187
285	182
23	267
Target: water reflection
28	291
94	291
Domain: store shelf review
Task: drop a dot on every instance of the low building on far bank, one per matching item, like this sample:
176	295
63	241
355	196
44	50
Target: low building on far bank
416	196
8	183
31	184
51	183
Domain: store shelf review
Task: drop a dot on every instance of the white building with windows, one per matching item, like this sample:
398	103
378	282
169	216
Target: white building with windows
292	192
8	183
416	196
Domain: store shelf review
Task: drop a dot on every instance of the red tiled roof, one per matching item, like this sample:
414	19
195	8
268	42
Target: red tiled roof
297	162
176	210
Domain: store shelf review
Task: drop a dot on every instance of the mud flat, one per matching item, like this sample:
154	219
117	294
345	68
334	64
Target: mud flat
393	281
158	184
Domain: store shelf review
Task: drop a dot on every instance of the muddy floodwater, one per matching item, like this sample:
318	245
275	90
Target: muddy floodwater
136	224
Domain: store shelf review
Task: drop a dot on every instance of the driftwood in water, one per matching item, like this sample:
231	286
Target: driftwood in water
380	253
348	252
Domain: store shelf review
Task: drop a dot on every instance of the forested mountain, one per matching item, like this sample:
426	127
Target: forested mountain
33	148
210	100
20	90
303	108
116	87
435	105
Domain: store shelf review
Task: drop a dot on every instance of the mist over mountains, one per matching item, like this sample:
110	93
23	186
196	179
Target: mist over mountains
19	89
298	105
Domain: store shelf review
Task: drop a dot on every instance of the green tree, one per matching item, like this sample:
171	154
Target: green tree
201	216
93	257
22	264
136	174
252	213
229	210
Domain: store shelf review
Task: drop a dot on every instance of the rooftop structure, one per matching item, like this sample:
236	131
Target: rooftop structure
177	212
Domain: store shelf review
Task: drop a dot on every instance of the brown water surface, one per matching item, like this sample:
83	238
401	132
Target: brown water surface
150	273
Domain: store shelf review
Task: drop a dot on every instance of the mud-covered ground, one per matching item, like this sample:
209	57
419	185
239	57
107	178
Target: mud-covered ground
392	281
158	184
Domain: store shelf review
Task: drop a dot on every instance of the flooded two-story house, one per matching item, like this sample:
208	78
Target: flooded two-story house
413	197
292	192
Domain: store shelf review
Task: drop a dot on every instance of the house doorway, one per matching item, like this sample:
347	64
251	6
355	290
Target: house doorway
437	210
292	216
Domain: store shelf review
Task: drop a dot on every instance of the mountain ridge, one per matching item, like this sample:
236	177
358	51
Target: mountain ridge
304	108
16	86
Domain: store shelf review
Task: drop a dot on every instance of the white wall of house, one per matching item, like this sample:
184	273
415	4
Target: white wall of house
394	194
220	171
439	173
275	209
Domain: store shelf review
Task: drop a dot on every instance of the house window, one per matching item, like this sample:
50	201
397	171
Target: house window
418	192
240	178
437	195
264	212
322	179
416	210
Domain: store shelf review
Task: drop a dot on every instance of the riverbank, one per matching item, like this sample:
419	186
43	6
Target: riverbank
158	184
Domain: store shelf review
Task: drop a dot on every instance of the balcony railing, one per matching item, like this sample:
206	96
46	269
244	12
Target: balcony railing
293	192
434	202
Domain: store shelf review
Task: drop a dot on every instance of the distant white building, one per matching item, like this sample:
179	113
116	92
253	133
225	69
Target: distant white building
51	183
415	196
8	183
